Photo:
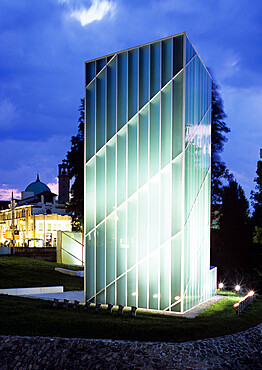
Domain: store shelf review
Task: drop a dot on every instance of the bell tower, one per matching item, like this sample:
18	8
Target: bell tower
63	182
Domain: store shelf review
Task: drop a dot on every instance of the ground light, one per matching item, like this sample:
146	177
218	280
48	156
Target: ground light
237	288
220	285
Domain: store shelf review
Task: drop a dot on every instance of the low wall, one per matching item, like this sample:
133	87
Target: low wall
5	251
44	254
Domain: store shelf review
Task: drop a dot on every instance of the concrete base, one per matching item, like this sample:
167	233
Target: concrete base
32	291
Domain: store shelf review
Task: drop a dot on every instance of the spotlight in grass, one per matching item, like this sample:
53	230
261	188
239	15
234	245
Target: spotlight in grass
237	288
55	304
65	304
87	306
75	305
120	309
251	293
109	308
133	311
220	285
97	308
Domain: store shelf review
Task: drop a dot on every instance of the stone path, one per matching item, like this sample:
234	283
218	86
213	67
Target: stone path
237	351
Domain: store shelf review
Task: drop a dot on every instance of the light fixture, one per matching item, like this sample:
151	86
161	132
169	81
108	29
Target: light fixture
237	288
177	297
133	311
75	305
133	294
97	307
120	309
109	308
155	295
220	286
86	306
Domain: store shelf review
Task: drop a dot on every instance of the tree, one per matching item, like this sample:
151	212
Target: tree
235	236
75	158
218	139
256	196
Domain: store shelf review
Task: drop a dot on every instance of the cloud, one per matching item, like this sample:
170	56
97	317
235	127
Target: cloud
6	193
8	114
53	186
97	11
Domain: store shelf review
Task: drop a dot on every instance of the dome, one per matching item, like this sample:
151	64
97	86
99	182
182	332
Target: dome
37	187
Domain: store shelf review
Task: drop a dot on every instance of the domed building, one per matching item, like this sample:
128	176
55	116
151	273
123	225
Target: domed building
38	216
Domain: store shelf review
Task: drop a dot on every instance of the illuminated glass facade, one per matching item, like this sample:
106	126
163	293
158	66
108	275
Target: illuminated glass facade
147	177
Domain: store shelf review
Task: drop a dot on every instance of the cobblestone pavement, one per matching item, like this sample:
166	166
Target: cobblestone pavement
237	351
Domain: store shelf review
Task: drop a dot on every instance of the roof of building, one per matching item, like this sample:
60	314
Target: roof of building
37	187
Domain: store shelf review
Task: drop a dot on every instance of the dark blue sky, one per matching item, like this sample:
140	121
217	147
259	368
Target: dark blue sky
43	46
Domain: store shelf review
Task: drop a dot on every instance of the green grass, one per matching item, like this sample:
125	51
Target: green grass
30	317
24	316
22	272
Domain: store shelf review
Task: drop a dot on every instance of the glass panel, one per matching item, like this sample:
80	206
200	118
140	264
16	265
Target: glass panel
143	76
90	195
177	129
101	297
121	90
100	186
110	248
90	265
100	63
110	294
176	272
121	291
100	110
121	166
167	61
178	54
154	135
90	71
100	257
132	83
90	120
165	276
177	195
142	284
131	288
143	223
132	156
166	204
143	146
155	68
166	124
190	51
132	232
154	294
154	213
121	240
110	175
111	99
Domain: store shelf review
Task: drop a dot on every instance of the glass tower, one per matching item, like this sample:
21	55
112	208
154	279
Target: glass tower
147	177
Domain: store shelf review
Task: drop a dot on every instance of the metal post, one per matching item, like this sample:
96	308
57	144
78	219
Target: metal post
13	223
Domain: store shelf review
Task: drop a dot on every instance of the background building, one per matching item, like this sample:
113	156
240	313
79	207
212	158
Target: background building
147	177
37	217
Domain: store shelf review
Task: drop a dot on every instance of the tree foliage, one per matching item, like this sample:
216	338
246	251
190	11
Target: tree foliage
235	239
218	139
75	158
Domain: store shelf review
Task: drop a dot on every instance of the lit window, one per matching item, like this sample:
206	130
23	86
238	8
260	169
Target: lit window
48	227
40	226
54	227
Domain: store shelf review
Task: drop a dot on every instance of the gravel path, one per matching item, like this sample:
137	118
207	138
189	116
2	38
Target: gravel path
237	351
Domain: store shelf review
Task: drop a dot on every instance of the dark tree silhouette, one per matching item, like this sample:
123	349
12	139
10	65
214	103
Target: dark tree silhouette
75	158
218	139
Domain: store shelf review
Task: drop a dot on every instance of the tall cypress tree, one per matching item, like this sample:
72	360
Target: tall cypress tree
75	158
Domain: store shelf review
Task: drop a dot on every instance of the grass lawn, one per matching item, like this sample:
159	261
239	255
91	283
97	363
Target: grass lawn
30	317
22	272
24	316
